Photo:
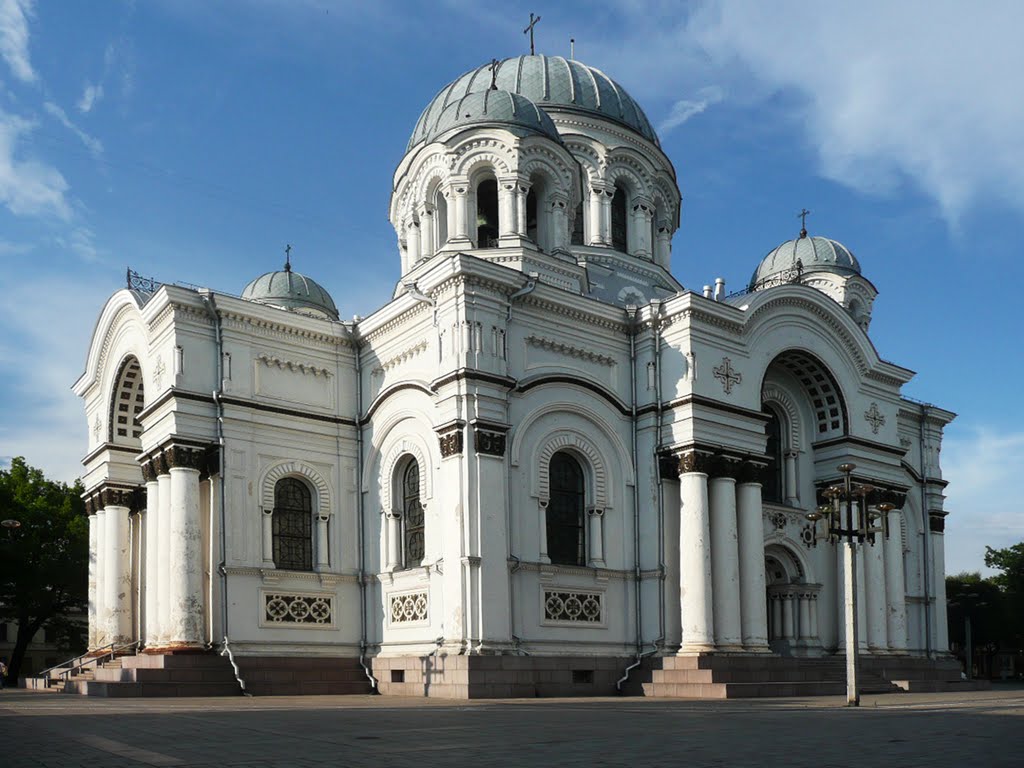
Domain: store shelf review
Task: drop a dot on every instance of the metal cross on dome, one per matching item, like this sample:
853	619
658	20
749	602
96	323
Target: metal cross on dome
804	213
727	375
494	74
529	28
288	257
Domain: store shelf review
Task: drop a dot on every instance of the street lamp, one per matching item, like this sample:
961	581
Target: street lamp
848	520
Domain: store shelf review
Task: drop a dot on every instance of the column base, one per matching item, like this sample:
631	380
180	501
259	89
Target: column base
689	649
757	647
730	648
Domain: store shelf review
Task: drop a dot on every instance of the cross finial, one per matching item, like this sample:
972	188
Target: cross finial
288	258
494	74
804	213
533	23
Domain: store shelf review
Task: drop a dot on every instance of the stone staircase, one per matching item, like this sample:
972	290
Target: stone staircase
283	676
710	676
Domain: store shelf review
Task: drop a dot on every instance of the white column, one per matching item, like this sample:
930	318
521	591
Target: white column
814	620
117	585
753	608
875	611
507	210
791	491
521	191
895	589
596	537
323	555
412	242
695	582
185	608
459	213
776	599
641	228
543	532
788	627
850	619
725	563
862	613
427	235
393	522
268	538
938	574
559	235
596	231
840	597
94	524
163	561
151	576
805	619
606	216
663	247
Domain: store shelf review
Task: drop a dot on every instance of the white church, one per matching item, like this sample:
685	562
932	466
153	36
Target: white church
543	467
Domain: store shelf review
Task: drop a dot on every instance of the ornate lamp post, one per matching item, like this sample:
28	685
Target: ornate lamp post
849	520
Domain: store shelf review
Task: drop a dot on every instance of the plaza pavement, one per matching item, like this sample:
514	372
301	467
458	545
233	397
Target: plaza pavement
977	729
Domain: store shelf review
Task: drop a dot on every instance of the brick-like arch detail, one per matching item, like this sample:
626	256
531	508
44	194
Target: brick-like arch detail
402	448
582	446
779	397
295	469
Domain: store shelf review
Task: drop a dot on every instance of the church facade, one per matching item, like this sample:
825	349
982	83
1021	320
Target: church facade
543	455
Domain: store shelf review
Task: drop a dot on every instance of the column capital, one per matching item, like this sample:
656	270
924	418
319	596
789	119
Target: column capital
937	521
752	472
695	461
451	439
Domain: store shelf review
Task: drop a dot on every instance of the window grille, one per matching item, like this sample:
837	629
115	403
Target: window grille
412	515
565	514
293	525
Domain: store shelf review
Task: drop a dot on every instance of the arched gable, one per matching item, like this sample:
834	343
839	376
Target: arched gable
776	395
788	553
120	330
295	469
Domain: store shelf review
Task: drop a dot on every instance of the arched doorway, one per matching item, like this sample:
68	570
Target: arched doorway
792	603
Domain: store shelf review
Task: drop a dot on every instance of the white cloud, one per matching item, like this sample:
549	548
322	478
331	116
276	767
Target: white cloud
14	15
983	468
91	96
93	144
684	109
28	187
889	91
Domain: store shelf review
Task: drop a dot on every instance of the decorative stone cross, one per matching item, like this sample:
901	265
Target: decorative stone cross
874	417
533	23
97	427
158	371
727	375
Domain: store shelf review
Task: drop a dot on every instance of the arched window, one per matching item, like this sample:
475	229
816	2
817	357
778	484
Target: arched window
293	525
773	483
532	222
566	513
129	399
487	214
577	225
619	226
412	516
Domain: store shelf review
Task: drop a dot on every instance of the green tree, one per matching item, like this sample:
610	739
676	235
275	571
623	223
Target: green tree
44	561
1010	562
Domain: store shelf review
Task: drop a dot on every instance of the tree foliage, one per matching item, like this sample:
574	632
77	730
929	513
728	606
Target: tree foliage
44	561
1010	562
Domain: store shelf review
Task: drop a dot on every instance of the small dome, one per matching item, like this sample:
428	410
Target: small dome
492	107
290	290
550	82
812	254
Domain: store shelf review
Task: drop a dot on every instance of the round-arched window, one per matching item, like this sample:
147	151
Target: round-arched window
293	525
412	515
566	513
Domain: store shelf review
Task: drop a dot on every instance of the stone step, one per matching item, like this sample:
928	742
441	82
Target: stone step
132	690
223	674
308	688
942	686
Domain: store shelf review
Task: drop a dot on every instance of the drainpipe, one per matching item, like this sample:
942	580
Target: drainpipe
656	327
631	311
360	528
211	307
926	555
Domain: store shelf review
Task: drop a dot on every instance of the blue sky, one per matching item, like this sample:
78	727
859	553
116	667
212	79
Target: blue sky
192	140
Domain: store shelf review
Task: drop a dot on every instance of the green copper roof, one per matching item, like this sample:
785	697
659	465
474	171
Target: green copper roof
290	290
491	107
815	254
551	82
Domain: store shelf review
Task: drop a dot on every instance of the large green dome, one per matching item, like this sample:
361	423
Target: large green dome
290	290
551	82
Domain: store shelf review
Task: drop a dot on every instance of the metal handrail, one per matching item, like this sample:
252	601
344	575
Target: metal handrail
77	663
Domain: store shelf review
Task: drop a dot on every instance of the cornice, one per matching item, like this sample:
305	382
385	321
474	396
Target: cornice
569	350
